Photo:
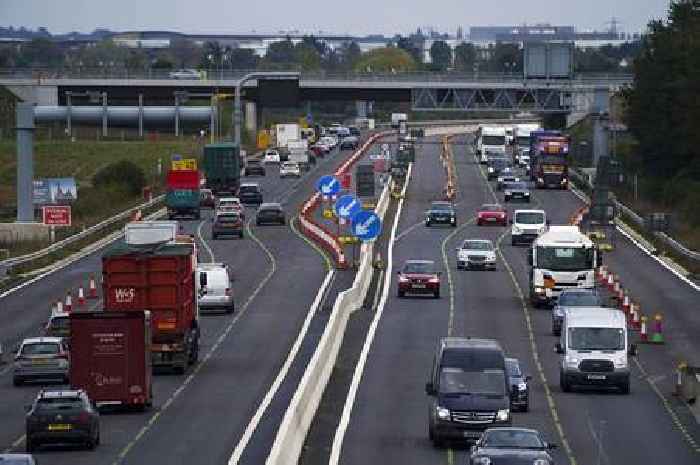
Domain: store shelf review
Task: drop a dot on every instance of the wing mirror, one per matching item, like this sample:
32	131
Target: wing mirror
528	378
430	389
558	348
551	446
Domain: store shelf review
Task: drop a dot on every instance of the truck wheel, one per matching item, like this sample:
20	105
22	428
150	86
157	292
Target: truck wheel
564	384
240	235
436	295
16	381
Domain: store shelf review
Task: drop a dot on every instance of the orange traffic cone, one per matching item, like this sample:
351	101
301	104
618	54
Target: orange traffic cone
643	337
69	302
635	319
81	297
92	288
59	306
611	282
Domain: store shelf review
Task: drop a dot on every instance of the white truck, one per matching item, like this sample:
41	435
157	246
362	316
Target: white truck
397	119
521	142
286	133
594	348
561	258
299	152
490	140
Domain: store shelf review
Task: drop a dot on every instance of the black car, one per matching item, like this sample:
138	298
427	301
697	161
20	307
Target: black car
270	213
519	387
227	223
250	193
354	131
62	417
254	168
350	142
511	445
441	213
516	190
495	166
569	298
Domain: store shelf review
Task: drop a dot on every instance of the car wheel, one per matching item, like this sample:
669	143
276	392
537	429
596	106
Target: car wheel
506	199
454	225
240	235
401	294
214	236
427	224
526	407
478	222
564	384
436	295
513	242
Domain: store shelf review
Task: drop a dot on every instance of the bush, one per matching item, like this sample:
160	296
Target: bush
122	174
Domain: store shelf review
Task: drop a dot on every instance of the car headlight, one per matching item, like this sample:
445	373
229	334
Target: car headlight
62	363
527	194
490	170
507	192
541	462
541	229
503	415
442	413
539	290
491	257
572	362
620	362
516	230
522	387
482	461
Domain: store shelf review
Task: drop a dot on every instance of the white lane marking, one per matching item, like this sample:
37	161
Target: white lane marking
644	249
151	421
265	403
450	281
598	439
204	242
360	367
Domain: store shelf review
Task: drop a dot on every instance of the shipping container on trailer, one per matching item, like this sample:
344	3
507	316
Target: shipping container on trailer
111	357
182	179
222	167
159	278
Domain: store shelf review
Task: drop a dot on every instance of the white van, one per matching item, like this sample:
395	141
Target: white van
214	288
527	225
594	346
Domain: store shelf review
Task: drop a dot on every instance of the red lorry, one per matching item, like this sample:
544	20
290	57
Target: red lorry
111	357
158	277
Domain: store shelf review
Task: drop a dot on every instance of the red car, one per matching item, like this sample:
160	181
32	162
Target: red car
492	214
419	277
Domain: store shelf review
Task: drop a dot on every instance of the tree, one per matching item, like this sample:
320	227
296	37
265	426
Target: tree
505	58
413	46
243	58
387	60
441	55
350	53
40	52
184	53
123	174
280	55
465	57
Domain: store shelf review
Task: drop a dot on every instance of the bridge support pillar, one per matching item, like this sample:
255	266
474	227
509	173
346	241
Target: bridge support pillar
600	137
361	106
251	118
25	162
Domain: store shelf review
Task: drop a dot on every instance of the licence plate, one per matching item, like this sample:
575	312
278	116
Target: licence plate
418	286
40	361
471	434
490	219
596	377
60	427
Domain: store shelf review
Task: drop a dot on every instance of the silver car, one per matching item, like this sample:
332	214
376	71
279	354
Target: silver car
476	253
41	359
215	289
570	298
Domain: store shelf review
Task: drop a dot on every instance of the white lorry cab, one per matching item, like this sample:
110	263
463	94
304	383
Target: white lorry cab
527	225
521	142
594	349
490	140
561	258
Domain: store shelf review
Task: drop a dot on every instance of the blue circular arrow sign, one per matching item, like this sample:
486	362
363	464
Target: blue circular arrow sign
347	206
328	185
366	225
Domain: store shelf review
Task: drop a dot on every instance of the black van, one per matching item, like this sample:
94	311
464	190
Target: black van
468	389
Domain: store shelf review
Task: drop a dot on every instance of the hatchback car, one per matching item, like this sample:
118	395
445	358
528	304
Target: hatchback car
350	142
419	277
214	287
441	213
491	214
516	191
41	359
511	445
206	198
290	169
227	224
250	193
270	213
62	417
228	204
58	326
271	156
570	298
476	253
254	168
495	167
518	385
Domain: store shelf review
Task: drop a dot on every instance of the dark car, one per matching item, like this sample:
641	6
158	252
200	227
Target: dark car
254	168
228	223
206	198
569	298
516	190
519	387
514	446
250	193
495	166
491	213
467	389
63	416
17	459
350	142
419	277
354	131
441	213
504	178
270	213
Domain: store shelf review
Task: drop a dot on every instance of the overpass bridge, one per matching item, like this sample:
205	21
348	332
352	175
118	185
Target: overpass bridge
446	92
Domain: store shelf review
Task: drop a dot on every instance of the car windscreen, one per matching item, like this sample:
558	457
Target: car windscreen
469	359
564	258
41	348
486	382
521	186
579	299
441	206
419	268
249	190
491	208
493	140
524	141
16	461
512	439
498	163
477	245
513	368
596	338
217	279
269	211
529	218
59	403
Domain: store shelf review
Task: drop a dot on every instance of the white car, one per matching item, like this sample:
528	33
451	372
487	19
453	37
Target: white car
229	204
476	253
271	156
185	74
290	168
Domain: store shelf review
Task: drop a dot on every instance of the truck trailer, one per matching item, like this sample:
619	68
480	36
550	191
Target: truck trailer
222	167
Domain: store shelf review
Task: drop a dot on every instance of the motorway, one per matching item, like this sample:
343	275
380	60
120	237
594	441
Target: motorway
388	422
202	416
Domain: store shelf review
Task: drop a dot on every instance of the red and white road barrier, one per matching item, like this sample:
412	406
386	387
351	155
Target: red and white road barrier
59	306
92	288
69	302
81	296
626	304
643	333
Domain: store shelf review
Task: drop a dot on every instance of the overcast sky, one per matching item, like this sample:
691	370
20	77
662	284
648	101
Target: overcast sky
356	17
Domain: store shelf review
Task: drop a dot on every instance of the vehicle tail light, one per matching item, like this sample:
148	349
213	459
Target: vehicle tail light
434	280
502	215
